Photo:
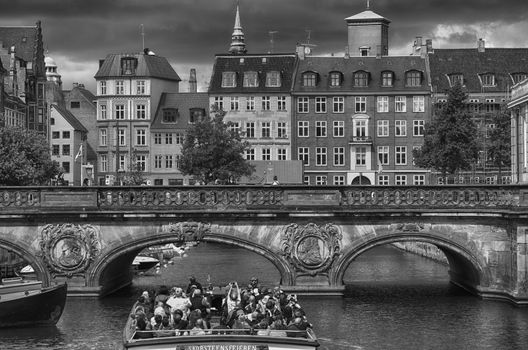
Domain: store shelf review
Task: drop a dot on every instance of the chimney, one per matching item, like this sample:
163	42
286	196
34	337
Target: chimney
75	85
101	63
378	51
347	52
192	81
429	45
481	45
300	51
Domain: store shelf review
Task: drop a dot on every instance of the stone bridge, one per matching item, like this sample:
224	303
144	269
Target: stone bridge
89	236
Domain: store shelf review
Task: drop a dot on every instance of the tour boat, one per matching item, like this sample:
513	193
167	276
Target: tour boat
144	263
26	303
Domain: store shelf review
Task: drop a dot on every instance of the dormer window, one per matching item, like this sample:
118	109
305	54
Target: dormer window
128	65
228	79
336	78
364	51
273	79
361	79
250	79
518	77
170	115
309	79
413	78
488	80
456	78
196	115
387	78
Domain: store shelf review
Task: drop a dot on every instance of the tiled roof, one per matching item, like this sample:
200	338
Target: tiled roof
87	94
366	16
70	118
23	38
147	66
183	101
374	66
471	63
283	63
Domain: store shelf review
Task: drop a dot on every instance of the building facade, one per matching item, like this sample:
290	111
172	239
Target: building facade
518	107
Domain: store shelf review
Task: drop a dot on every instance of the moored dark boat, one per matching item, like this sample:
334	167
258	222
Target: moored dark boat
26	303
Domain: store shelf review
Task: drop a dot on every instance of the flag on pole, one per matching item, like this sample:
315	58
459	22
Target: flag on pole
79	153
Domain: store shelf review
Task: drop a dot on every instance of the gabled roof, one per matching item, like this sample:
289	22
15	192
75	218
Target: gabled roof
23	38
366	16
471	63
87	94
399	65
147	66
70	118
182	101
283	63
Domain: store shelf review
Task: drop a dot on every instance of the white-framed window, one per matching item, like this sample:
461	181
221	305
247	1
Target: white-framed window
141	137
122	162
339	156
120	111
335	79
158	159
360	104
400	180
400	128
302	105
309	79
419	104
102	87
320	180
281	154
234	103
413	78
418	127
265	130
273	79
179	137
169	161
320	156
338	104
304	155
401	155
383	104
219	102
141	111
400	104
361	156
383	155
120	87
234	127
418	180
266	154
228	79
250	103
383	128
168	138
157	138
250	154
140	87
303	128
103	162
141	162
281	103
488	79
387	78
306	180
281	130
360	128
339	128
250	130
383	180
339	180
320	105
361	79
250	79
102	112
103	137
320	128
121	136
266	103
456	78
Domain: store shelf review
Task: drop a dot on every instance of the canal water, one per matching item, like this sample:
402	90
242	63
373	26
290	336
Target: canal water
397	301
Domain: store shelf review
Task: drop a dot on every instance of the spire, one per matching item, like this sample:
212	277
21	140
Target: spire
368	4
238	47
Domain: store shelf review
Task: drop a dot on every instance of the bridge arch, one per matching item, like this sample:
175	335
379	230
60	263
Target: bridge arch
467	269
30	256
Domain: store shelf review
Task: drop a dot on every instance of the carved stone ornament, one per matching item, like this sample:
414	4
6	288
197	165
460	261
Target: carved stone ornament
187	231
69	249
410	227
310	248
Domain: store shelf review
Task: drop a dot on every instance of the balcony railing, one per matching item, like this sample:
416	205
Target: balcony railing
361	139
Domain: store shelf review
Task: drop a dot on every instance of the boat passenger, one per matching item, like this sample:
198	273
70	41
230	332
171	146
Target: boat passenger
141	330
233	297
156	322
162	295
251	305
165	330
178	301
178	323
198	328
195	283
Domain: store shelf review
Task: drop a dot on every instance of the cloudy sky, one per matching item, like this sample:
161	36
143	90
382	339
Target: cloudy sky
189	33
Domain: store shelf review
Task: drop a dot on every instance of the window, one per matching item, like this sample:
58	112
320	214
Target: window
304	155
418	180
360	104
339	128
320	105
401	155
302	105
141	137
383	155
518	77
266	103
339	180
339	156
120	87
219	102
103	162
120	111
488	79
309	79
400	128
360	79
400	104
361	156
265	130
157	138
75	104
158	182
121	136
250	103
102	87
281	154
360	129
306	180
250	154
168	138
419	104
234	103
320	156
158	159
320	180
103	137
273	79
196	115
266	154
383	104
250	79
55	135
141	111
418	127
179	137
52	120
169	161
400	180
55	150
281	130
281	103
102	112
250	130
413	78
66	167
234	127
169	115
383	180
141	162
303	129
65	134
320	128
140	87
338	105
228	79
335	79
387	79
128	65
456	78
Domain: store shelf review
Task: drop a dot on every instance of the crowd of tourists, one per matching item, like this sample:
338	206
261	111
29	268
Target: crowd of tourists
251	309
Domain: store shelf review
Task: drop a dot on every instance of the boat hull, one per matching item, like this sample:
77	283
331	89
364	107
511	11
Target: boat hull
40	309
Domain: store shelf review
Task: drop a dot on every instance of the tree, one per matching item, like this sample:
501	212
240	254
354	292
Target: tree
450	142
213	151
135	175
25	158
499	150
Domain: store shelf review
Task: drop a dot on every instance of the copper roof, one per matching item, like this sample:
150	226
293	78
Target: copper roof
147	66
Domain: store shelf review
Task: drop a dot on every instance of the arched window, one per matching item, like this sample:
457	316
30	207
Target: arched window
360	78
387	78
336	78
309	79
413	78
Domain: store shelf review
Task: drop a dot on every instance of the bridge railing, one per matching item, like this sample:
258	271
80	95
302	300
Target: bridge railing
222	198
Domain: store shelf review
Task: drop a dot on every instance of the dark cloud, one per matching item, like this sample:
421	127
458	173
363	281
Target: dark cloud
191	32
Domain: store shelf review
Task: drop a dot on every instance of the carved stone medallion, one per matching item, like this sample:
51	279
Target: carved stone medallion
69	249
310	248
187	231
